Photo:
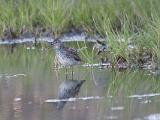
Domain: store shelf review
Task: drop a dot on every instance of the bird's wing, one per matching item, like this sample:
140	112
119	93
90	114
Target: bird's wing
73	53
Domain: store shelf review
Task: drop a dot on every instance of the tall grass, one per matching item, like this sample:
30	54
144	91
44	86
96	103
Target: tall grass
89	14
116	19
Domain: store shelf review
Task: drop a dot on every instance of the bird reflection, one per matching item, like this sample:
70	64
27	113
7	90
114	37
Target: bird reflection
68	89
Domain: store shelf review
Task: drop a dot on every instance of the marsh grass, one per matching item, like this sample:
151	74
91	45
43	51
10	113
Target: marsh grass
117	20
92	15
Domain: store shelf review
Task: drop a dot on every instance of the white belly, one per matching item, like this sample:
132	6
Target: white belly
65	61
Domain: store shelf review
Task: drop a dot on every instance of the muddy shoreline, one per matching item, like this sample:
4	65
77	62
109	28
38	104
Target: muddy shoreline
66	37
46	35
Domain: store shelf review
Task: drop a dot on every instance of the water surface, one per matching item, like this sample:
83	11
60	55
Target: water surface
29	86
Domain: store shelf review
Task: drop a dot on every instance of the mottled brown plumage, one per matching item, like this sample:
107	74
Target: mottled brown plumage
101	46
67	57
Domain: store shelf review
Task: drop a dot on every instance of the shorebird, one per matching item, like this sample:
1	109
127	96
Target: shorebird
100	46
68	89
67	57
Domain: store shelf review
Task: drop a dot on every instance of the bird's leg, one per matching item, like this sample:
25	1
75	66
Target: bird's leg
72	72
56	64
66	73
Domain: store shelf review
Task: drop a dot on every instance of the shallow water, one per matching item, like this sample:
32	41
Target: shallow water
29	87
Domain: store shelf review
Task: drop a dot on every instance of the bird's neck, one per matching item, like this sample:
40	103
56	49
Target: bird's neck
59	48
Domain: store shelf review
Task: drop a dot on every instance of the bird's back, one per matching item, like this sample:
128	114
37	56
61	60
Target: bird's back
68	56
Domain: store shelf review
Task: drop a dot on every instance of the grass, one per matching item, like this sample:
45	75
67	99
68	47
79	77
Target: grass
92	15
122	19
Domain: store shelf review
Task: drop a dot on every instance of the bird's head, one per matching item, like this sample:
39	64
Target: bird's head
57	43
101	46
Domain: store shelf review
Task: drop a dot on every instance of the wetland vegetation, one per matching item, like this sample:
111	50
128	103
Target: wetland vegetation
118	41
120	22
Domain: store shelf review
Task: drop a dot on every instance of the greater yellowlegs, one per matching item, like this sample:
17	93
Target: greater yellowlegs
67	57
101	46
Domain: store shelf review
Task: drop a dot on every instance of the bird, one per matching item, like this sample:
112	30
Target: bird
101	46
67	57
68	89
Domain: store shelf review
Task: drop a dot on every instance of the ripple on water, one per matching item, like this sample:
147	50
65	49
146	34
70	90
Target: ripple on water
117	108
155	116
11	76
111	117
145	95
74	99
17	99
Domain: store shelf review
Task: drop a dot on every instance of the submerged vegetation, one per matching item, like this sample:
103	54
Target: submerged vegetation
122	22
